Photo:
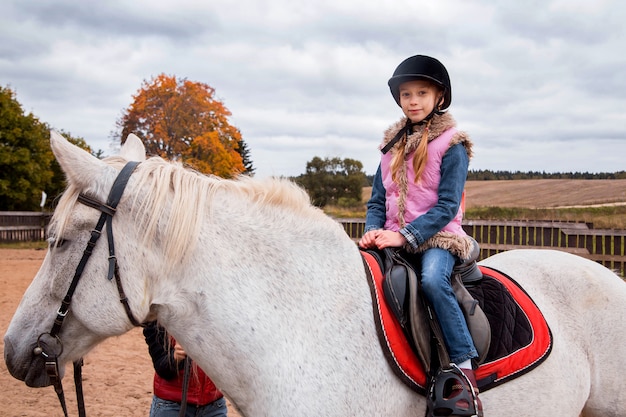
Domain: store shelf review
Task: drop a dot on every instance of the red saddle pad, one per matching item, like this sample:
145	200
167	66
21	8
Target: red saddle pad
503	363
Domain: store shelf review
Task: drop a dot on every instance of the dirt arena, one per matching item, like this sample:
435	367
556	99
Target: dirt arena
117	375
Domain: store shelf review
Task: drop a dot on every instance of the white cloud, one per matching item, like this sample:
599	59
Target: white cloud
537	85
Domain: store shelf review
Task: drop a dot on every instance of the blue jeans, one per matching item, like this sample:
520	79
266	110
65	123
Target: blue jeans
164	408
436	267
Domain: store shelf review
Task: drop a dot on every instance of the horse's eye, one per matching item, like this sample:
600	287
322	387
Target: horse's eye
56	242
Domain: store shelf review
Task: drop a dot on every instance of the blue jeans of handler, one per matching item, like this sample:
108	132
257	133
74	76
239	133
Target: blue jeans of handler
164	408
436	267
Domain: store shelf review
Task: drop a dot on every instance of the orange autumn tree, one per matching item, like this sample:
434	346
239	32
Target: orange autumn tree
181	120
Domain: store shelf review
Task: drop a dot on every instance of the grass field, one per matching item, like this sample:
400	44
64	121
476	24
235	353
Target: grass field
601	202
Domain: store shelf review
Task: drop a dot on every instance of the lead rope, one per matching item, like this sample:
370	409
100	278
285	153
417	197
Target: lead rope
186	376
78	383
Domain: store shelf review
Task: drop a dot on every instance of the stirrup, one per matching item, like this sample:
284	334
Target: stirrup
439	402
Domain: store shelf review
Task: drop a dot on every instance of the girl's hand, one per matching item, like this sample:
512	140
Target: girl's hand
179	353
389	239
368	240
382	239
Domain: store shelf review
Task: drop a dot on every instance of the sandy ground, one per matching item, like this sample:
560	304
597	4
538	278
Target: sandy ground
117	375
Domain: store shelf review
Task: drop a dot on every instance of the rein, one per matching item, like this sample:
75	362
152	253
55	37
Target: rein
49	345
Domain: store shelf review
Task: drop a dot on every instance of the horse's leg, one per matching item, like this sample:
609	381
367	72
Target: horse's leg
608	397
606	326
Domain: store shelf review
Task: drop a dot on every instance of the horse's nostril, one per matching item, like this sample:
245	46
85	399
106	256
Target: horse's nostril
8	349
9	357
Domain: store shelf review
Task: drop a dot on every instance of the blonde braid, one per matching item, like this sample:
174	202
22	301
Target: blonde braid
398	159
421	154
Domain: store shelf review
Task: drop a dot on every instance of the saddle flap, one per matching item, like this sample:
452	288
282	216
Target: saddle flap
401	291
475	317
395	288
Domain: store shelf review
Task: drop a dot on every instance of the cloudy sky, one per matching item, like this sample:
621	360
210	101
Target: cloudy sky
539	85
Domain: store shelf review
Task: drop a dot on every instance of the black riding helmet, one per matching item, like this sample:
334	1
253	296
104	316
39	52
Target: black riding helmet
422	67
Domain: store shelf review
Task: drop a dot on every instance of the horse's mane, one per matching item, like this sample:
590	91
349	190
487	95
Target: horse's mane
183	197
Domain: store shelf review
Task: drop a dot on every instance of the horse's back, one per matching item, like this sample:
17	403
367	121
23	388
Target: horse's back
583	303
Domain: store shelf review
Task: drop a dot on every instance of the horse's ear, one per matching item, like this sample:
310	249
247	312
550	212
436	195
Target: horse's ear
133	149
78	165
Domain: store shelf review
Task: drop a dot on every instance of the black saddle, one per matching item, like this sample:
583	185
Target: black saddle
401	288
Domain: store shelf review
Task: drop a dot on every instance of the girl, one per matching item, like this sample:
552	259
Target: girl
416	197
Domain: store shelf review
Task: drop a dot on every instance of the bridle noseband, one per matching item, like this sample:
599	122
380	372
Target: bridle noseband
49	344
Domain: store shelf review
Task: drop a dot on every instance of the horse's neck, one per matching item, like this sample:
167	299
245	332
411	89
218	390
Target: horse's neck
258	303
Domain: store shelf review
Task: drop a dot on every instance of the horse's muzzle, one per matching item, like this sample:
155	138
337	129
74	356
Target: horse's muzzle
25	365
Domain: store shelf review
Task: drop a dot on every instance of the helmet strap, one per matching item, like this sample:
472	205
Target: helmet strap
436	110
406	130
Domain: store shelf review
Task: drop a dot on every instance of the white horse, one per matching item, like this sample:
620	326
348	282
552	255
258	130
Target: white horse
269	296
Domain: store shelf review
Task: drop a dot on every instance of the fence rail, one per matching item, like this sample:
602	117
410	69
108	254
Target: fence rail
21	226
607	247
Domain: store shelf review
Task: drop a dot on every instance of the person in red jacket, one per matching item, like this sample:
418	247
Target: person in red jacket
203	397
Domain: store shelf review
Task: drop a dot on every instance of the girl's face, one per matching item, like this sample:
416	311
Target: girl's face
418	99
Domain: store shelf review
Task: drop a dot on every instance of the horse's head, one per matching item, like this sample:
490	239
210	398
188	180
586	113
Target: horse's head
94	311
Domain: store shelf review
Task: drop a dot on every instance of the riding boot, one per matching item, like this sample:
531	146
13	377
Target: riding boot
462	403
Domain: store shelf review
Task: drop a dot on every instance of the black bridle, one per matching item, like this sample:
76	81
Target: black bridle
49	344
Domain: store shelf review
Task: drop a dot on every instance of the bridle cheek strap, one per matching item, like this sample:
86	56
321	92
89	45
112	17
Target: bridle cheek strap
106	217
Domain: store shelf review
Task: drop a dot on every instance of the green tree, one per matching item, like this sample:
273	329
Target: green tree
181	120
27	165
242	148
25	155
333	181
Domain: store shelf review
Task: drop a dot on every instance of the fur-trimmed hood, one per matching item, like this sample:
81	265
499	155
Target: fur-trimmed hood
438	125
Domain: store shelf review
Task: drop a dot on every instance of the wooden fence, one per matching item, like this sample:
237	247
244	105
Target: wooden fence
607	247
19	226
